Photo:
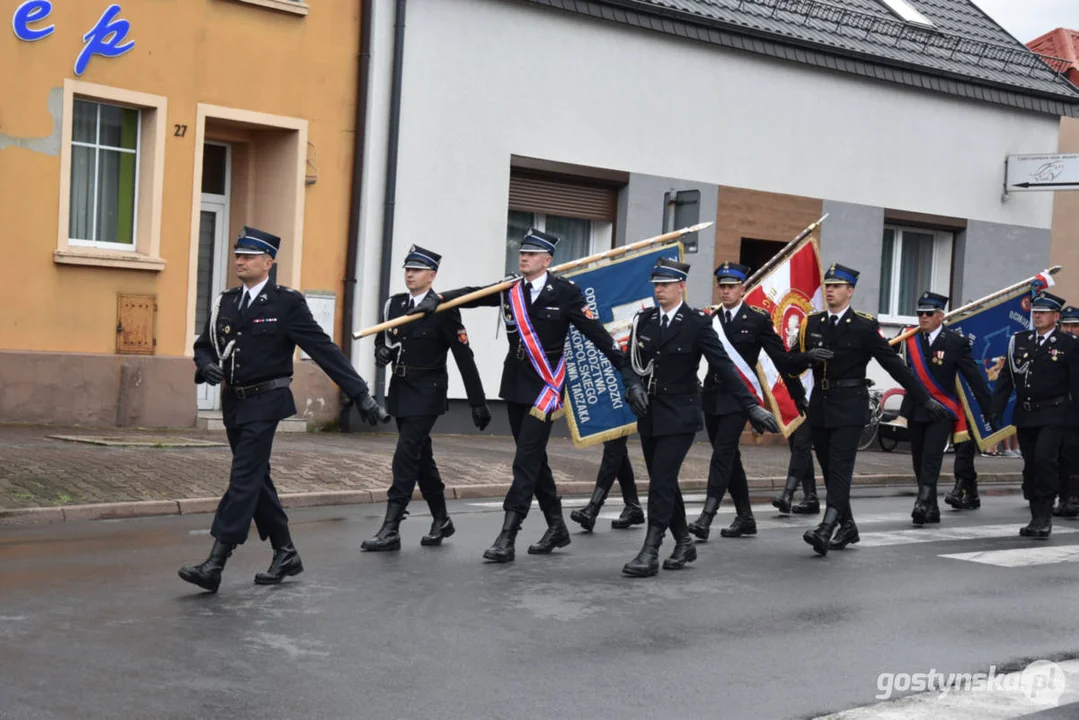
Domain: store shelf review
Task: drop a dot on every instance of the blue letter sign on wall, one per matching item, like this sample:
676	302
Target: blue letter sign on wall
31	11
105	38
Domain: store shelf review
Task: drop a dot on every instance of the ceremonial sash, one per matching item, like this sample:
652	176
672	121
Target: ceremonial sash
550	399
921	369
744	371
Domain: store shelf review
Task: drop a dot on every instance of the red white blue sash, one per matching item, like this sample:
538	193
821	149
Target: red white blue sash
550	399
921	369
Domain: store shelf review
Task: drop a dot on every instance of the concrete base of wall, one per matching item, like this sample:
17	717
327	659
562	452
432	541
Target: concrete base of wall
128	390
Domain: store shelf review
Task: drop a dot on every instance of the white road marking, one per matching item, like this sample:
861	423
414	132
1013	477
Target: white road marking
925	535
1022	557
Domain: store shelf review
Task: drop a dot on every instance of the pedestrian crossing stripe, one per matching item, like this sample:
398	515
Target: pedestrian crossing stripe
925	535
1022	557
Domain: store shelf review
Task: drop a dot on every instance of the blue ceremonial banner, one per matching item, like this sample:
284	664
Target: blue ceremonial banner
989	329
595	404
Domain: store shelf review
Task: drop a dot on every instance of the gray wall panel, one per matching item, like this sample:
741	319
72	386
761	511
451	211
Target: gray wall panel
994	256
640	215
851	236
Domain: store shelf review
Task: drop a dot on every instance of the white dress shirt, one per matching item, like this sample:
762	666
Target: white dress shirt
537	286
253	292
669	314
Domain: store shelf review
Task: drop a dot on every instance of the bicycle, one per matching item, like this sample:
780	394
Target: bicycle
876	411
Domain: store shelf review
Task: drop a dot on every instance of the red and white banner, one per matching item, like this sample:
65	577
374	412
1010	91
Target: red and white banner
788	292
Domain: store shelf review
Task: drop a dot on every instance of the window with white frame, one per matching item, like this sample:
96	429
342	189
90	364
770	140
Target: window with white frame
577	237
913	260
104	175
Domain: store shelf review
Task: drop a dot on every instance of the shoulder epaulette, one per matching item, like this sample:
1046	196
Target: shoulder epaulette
819	312
288	289
762	311
231	291
867	316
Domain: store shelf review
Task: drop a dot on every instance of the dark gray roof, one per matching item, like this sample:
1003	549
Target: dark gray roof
965	54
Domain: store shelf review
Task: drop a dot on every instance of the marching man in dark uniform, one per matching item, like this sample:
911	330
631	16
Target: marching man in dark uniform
799	471
1043	371
743	331
839	343
964	496
538	309
937	356
613	465
1069	455
248	343
666	346
418	396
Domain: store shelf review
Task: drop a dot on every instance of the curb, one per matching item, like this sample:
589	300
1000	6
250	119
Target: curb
760	487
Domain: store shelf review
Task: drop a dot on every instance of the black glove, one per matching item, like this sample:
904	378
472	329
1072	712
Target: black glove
762	420
212	373
481	416
820	354
802	404
637	398
937	411
384	355
427	305
370	411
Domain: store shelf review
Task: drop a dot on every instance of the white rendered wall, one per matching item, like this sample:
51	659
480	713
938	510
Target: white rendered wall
485	79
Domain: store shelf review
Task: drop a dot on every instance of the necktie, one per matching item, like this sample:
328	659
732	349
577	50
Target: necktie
726	318
832	320
245	303
528	292
663	323
411	303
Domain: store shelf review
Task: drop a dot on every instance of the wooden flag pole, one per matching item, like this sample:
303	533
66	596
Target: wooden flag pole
564	267
955	314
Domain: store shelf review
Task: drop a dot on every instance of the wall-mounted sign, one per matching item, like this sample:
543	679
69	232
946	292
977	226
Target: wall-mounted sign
1046	172
105	38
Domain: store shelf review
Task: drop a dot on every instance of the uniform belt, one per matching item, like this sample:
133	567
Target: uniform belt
1044	404
402	370
826	384
245	391
522	354
674	389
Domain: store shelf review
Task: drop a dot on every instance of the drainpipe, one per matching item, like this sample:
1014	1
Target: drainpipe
391	170
363	82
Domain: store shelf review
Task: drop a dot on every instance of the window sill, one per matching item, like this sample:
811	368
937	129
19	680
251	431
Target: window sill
289	6
104	258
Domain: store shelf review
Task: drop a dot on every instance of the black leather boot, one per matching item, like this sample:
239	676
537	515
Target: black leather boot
921	506
1062	498
954	498
286	561
503	551
810	505
685	551
632	514
744	523
821	536
785	501
387	537
701	527
932	515
971	499
1041	519
556	535
647	561
1071	510
586	516
846	535
441	525
208	575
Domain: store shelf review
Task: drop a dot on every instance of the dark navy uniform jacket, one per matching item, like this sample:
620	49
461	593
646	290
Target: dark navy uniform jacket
419	380
840	395
948	357
265	342
1045	379
749	331
559	305
674	393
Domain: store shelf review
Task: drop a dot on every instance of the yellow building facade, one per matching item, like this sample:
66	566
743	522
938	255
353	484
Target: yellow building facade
136	139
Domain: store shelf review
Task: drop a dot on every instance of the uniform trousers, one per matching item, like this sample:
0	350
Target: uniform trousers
837	449
1069	457
963	467
927	443
1040	447
800	466
251	494
663	455
725	469
615	464
531	473
414	461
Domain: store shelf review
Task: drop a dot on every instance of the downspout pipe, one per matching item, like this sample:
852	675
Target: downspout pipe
391	171
363	83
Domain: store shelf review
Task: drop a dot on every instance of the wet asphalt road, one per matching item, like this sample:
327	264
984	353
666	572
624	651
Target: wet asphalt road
94	622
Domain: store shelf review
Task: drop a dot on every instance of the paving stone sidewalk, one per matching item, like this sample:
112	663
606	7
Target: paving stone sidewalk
38	471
